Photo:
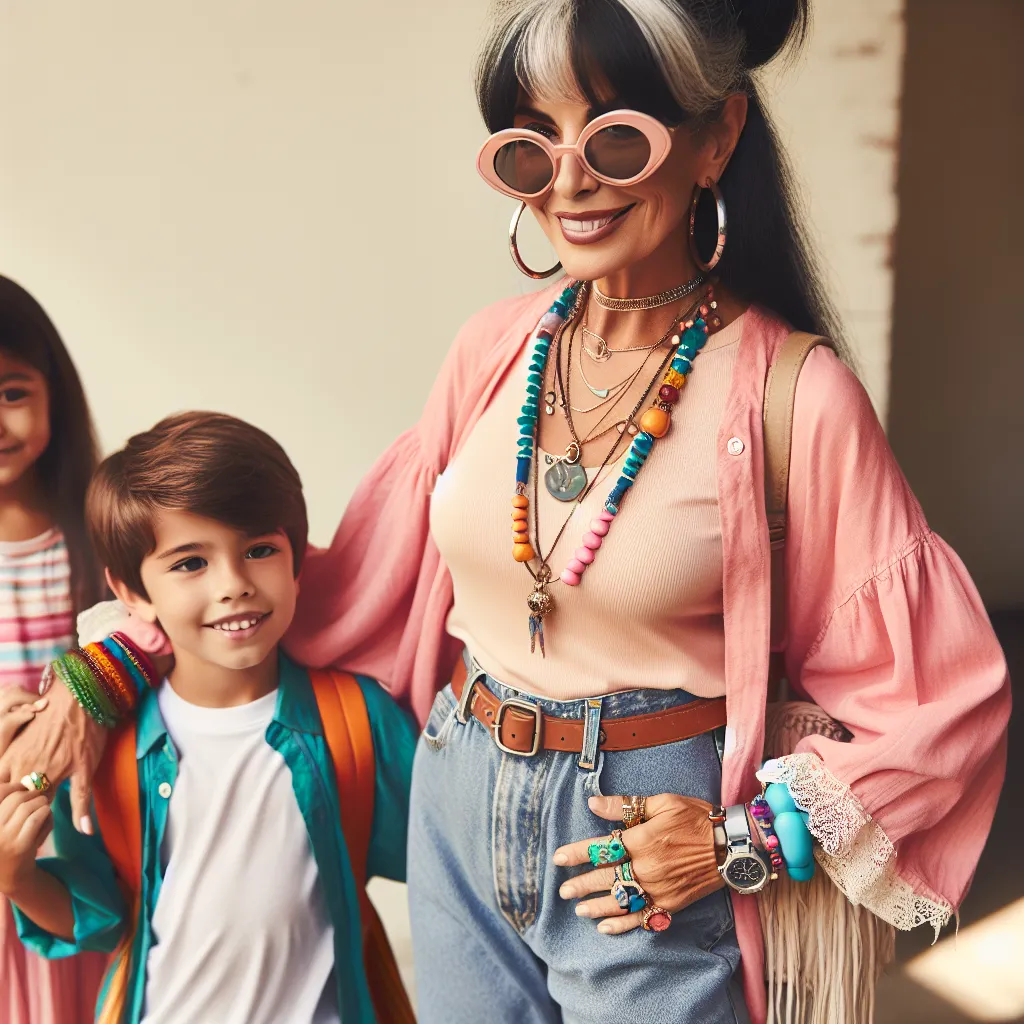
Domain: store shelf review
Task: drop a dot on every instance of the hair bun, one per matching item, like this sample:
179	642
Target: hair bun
768	25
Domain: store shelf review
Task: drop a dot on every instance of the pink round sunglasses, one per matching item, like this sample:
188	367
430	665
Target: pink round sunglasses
621	147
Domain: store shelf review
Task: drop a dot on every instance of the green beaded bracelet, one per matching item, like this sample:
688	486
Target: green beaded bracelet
87	673
87	703
77	678
100	683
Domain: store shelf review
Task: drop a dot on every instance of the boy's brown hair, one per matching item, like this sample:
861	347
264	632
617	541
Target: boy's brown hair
205	463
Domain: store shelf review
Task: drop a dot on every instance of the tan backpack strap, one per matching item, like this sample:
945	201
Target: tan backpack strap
779	400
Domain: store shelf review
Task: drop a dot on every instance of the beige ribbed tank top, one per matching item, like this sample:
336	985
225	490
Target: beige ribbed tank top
649	610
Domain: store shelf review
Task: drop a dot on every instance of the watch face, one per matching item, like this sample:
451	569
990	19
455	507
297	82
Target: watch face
746	872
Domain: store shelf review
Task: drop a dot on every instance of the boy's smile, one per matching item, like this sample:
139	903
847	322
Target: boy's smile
240	626
224	600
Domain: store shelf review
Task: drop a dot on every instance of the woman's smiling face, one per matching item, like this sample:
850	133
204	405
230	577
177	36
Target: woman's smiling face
597	228
600	230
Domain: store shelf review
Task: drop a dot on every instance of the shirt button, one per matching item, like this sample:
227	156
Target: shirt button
164	789
735	446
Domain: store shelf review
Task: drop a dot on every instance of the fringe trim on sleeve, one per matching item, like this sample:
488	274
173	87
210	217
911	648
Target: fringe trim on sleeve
827	941
823	955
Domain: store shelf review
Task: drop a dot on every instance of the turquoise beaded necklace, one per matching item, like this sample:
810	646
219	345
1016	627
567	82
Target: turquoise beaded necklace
654	424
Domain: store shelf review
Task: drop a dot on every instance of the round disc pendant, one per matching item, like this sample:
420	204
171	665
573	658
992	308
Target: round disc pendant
565	481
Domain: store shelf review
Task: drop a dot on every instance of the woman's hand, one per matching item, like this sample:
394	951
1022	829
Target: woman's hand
25	821
673	855
17	709
62	741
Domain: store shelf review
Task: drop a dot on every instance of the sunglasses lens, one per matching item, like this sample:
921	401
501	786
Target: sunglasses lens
618	151
523	166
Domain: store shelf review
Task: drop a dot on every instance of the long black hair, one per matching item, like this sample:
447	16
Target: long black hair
67	464
705	50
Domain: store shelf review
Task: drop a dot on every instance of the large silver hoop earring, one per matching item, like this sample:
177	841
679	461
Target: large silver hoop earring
513	247
720	210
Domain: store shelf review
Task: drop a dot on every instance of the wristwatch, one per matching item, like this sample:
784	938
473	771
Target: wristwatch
745	868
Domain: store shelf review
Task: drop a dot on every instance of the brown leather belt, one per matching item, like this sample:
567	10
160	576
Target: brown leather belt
520	727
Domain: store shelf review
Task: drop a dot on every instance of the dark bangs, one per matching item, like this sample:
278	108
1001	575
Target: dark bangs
609	57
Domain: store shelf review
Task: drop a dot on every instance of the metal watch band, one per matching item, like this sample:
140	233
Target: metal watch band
737	828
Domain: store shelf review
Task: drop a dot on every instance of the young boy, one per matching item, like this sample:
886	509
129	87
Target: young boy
248	909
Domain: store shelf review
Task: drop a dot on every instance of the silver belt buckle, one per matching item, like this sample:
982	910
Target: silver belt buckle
522	705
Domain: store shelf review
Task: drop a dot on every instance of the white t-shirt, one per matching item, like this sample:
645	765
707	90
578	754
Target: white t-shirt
241	930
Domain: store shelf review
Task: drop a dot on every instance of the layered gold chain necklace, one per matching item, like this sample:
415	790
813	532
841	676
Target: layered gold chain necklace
693	330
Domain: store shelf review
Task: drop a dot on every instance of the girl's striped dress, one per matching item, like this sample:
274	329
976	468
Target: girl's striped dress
36	624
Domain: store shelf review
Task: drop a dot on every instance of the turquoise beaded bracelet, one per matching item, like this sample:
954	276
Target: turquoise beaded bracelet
795	840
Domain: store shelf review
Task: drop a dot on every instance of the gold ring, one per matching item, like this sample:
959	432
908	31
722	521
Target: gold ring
634	811
656	919
37	781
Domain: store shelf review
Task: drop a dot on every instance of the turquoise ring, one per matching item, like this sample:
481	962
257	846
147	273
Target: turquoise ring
613	851
627	891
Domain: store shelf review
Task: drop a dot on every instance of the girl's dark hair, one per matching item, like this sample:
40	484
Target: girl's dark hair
67	464
707	50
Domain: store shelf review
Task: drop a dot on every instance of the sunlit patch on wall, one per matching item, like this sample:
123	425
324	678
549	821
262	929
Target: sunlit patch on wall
981	970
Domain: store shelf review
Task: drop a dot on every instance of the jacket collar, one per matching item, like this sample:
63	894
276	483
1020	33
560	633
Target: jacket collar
296	708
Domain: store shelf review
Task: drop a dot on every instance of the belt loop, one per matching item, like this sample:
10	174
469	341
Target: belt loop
591	733
473	673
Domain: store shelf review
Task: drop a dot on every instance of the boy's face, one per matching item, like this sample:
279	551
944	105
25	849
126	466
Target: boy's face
221	597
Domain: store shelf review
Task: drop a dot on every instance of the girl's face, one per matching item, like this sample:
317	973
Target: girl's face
24	417
599	229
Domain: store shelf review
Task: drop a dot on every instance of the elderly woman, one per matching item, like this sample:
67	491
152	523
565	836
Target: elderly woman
615	647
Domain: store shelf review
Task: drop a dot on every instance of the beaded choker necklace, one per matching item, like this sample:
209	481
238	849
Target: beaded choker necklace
654	424
664	298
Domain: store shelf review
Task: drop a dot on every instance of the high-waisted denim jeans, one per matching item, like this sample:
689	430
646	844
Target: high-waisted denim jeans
493	941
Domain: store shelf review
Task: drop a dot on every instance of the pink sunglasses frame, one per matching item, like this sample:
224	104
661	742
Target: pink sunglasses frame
656	133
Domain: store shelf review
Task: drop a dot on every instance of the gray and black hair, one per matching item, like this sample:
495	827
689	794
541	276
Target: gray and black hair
677	60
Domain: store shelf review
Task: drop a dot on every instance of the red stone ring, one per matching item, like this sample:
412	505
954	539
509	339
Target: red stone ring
656	919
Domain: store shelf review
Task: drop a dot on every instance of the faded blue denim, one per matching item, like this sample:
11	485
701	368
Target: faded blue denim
493	941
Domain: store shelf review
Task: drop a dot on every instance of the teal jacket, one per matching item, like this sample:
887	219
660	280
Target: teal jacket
101	913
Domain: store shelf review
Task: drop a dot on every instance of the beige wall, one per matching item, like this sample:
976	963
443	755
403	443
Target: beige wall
273	210
957	420
838	111
276	214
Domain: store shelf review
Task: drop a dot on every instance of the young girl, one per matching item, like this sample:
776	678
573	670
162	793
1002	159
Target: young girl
47	574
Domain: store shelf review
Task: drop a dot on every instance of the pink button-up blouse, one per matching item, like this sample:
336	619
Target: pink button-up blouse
887	633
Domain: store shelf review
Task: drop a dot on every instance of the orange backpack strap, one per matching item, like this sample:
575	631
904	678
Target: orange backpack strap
349	738
346	725
115	797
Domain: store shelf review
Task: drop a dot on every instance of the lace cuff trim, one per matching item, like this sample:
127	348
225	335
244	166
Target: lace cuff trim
852	849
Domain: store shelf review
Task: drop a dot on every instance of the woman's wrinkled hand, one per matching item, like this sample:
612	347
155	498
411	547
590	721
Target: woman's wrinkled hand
17	709
672	854
62	742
